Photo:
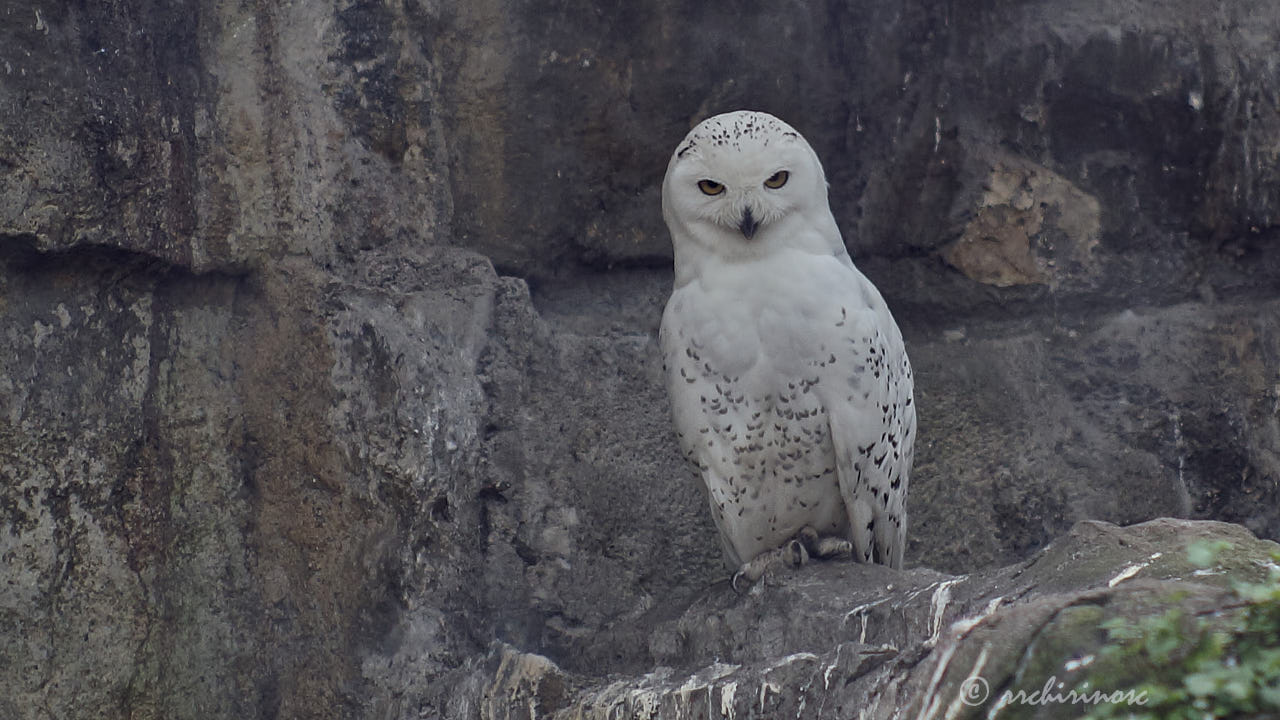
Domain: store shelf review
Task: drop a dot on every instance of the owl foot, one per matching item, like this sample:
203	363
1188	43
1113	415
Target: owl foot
791	554
823	547
806	544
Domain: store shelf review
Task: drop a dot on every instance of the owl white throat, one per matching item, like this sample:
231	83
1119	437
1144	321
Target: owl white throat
790	386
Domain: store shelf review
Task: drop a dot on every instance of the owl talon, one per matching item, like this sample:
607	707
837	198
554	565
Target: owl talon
832	547
796	554
810	538
822	547
748	574
793	554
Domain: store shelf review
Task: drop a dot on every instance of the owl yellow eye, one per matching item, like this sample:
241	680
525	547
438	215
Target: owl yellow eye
710	187
777	179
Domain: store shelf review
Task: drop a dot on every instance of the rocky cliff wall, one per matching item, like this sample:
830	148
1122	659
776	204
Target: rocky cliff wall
331	326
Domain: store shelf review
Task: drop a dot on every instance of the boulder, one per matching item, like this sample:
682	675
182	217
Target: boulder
840	640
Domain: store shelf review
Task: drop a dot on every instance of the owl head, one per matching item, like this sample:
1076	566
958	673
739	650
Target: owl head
743	185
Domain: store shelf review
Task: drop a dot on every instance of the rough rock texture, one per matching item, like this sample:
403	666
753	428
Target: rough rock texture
842	641
331	388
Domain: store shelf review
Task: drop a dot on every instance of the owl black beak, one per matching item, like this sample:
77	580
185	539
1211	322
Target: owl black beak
748	225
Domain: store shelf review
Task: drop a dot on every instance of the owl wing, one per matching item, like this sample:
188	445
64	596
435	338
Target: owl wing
867	392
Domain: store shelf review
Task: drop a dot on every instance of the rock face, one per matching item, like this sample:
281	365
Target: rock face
847	640
331	384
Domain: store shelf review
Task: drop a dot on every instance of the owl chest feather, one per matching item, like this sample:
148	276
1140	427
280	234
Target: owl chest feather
768	461
754	365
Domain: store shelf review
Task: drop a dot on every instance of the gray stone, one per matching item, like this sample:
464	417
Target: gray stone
331	388
846	640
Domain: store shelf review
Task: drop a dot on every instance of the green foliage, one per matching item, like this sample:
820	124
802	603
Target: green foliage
1224	666
1204	553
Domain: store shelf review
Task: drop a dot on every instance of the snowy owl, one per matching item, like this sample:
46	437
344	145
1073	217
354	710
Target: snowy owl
789	383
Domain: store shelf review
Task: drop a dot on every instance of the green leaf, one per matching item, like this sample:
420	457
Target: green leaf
1237	688
1119	628
1255	592
1201	684
1204	553
1269	697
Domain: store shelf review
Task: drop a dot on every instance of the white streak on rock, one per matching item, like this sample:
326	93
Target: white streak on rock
1125	574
